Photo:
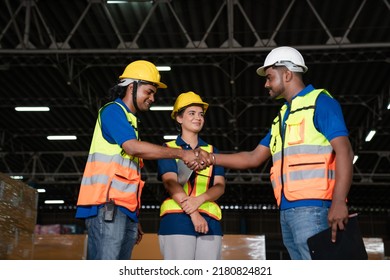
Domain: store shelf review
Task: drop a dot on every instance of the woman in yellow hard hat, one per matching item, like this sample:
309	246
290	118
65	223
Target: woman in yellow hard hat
190	226
111	187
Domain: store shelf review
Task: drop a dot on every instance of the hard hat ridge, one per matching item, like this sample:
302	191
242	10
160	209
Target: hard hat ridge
186	99
284	56
141	70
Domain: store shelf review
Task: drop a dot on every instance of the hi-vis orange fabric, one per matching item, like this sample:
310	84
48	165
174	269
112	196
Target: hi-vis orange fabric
303	159
200	186
110	173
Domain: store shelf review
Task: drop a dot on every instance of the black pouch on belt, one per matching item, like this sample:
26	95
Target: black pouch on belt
109	211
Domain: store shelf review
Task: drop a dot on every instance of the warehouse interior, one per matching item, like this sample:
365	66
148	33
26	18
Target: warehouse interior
66	54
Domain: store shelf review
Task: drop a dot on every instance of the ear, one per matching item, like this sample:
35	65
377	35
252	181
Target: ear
288	76
179	119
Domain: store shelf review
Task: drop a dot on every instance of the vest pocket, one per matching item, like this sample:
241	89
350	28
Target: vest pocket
295	131
308	176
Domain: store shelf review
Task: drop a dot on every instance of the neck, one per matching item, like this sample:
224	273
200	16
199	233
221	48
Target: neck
190	138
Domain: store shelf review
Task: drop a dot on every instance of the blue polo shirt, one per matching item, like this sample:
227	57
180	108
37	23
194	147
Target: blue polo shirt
329	120
180	223
116	129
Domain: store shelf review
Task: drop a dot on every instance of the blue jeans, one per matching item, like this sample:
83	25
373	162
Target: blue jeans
111	240
300	223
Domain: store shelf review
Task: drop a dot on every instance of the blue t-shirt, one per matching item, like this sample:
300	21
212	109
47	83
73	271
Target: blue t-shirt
329	120
180	223
116	129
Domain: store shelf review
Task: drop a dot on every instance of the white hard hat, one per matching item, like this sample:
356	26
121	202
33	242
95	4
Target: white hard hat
284	56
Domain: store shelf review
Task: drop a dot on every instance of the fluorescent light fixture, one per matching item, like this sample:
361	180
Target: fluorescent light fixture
388	107
16	177
32	109
355	158
62	137
170	137
163	68
41	190
161	108
59	201
117	1
370	135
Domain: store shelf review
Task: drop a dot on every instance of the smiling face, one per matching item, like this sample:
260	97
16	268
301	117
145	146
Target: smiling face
145	96
191	119
275	82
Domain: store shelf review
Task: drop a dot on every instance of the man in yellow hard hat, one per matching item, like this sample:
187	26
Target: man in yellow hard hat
110	193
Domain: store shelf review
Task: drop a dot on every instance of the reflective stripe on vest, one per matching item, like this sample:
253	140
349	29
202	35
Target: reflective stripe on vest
110	173
202	181
303	160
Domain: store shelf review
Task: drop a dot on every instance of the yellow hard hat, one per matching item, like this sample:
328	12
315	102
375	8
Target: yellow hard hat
185	99
143	70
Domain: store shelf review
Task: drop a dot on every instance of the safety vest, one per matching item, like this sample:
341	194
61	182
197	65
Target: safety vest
110	173
201	185
303	160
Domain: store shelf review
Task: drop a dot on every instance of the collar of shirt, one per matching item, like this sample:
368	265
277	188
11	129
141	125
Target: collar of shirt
119	100
184	145
303	92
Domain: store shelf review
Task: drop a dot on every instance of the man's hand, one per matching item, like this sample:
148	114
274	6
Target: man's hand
202	161
191	159
140	234
337	217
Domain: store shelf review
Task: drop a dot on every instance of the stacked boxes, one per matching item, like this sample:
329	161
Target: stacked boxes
18	215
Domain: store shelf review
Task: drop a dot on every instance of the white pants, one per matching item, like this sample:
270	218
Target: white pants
188	247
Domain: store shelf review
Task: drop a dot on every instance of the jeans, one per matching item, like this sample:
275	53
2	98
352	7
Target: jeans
298	224
111	240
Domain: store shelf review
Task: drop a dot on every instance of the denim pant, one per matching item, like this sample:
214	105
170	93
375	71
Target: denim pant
111	240
298	224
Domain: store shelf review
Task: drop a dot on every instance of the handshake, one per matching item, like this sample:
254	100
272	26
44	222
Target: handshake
198	159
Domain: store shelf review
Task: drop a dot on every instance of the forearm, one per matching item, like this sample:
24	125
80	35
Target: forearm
212	194
344	169
243	160
151	151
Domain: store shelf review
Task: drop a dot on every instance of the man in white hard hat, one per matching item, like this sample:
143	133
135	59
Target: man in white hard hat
312	155
110	193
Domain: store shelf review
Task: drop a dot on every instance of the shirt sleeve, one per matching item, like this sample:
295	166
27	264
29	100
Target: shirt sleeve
266	140
328	117
115	126
165	166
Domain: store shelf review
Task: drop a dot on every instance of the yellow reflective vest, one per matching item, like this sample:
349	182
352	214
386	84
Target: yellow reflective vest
303	160
110	173
201	185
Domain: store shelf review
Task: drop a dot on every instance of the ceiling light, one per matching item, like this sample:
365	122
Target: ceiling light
161	108
32	109
41	190
16	177
170	137
59	201
117	1
62	137
163	68
355	158
388	107
370	135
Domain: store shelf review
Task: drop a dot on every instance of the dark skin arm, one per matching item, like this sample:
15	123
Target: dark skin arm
338	212
241	160
146	150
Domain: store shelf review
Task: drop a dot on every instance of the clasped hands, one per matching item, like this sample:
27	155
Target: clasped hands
198	159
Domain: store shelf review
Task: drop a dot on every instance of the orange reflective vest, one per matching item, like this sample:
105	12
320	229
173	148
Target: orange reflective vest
303	160
201	185
110	173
